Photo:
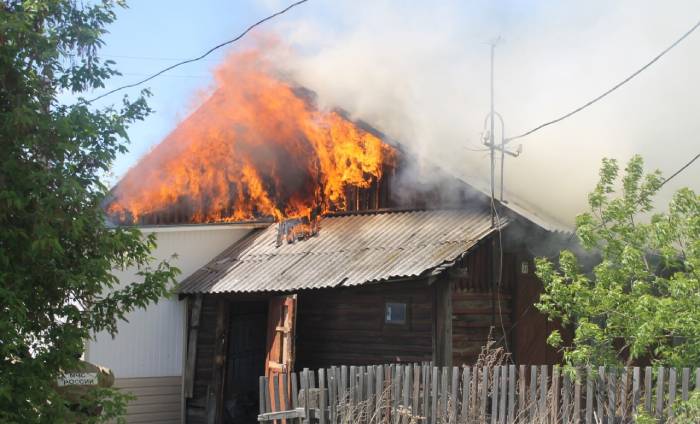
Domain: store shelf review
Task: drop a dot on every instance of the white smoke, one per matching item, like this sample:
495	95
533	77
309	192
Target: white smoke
419	71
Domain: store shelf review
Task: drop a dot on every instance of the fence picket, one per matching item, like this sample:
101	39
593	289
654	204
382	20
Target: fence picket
466	385
612	398
532	401
343	392
504	393
511	393
635	390
333	394
685	381
381	398
434	403
268	403
443	401
671	390
659	393
523	392
577	397
647	389
407	373
484	393
322	403
623	394
554	410
589	395
397	381
285	391
305	388
415	403
600	394
494	394
566	398
261	388
544	378
426	392
360	386
295	390
454	404
275	394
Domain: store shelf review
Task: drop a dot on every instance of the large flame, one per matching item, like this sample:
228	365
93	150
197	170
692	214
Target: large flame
256	147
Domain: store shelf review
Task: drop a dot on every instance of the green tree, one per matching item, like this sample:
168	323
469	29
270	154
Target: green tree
56	251
642	299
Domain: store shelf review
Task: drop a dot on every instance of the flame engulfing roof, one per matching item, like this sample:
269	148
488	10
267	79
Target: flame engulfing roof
349	250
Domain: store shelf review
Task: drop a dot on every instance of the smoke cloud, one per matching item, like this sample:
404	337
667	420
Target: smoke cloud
419	72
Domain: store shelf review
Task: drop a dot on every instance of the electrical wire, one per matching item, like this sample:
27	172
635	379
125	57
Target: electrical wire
184	62
500	274
680	170
615	87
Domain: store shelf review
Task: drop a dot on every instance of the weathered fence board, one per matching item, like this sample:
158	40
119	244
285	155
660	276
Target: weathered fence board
423	394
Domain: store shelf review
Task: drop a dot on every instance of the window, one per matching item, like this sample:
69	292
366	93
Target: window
395	313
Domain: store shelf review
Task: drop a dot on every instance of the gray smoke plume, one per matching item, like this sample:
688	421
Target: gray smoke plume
419	71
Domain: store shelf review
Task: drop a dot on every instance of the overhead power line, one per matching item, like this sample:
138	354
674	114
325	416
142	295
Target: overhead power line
680	170
615	87
184	62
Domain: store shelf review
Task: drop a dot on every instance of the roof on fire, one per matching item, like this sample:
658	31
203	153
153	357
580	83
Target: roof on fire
349	250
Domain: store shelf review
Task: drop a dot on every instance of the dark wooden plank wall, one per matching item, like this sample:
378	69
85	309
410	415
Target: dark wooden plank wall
472	319
478	311
346	326
196	405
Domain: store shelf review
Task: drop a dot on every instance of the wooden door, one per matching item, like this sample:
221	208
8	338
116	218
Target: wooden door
280	343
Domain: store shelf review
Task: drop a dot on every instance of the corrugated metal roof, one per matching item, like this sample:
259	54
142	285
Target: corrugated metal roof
349	250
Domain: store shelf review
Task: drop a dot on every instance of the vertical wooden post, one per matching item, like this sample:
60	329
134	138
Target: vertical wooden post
511	394
191	361
647	389
660	393
216	388
442	337
322	401
494	393
466	381
589	395
671	390
484	394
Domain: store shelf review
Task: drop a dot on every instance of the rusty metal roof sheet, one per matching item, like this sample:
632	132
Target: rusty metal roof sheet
349	250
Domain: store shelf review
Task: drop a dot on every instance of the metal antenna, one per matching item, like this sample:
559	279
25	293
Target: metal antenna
491	135
491	143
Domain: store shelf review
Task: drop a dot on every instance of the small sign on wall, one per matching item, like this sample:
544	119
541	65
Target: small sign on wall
524	267
78	379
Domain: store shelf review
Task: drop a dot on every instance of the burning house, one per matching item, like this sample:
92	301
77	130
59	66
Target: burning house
301	245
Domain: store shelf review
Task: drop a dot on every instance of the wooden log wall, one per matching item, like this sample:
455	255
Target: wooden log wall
473	322
346	326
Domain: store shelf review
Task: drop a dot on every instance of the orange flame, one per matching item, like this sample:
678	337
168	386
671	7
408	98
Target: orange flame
256	147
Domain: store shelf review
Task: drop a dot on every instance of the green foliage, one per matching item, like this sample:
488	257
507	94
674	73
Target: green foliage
56	252
642	300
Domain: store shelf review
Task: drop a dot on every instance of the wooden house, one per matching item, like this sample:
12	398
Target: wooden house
371	287
402	274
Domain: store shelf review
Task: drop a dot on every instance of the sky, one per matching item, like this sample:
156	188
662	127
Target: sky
419	71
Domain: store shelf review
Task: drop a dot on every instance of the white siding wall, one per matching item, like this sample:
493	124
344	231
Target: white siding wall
151	344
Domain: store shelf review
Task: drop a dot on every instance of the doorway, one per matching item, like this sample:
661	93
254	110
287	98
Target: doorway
245	362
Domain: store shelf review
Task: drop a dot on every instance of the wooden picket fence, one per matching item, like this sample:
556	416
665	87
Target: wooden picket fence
421	393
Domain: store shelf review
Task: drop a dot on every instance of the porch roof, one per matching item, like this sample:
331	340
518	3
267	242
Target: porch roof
349	250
